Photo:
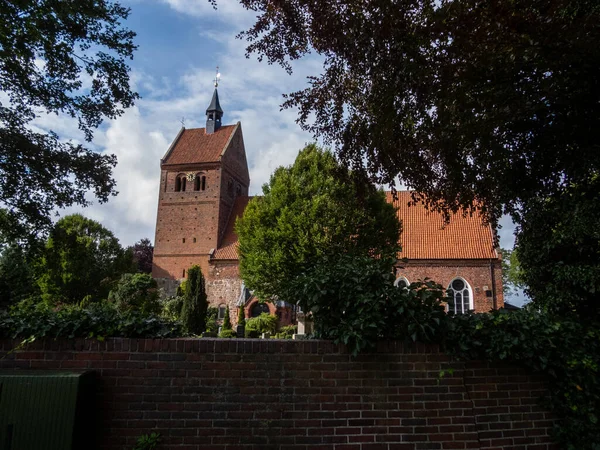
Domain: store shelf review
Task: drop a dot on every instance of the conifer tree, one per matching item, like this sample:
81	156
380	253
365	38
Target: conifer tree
193	313
241	316
227	320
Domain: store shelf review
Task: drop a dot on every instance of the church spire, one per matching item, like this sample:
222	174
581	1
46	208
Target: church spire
214	111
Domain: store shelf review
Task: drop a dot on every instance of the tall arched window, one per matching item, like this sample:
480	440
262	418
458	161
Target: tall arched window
203	182
197	183
460	292
177	184
221	311
183	183
401	282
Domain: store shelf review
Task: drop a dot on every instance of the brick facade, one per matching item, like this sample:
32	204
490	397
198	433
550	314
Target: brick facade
210	394
477	273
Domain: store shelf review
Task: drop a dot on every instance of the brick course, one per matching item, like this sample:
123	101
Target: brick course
244	394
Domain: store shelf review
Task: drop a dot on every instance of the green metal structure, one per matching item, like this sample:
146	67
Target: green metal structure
42	410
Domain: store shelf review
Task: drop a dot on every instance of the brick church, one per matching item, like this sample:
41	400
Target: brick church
204	185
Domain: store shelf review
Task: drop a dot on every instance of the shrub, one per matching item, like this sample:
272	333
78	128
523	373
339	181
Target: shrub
287	332
227	334
193	313
226	320
241	316
211	320
136	292
265	323
98	320
172	307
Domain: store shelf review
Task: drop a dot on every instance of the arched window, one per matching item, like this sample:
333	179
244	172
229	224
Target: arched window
177	184
238	190
197	183
203	183
401	282
221	315
258	309
230	188
460	293
183	183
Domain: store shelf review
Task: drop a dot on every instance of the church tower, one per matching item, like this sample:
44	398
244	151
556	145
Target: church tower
202	173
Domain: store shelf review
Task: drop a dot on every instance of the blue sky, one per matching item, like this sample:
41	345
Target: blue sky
180	44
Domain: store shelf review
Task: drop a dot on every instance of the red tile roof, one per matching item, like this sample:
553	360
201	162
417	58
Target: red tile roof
424	234
229	244
195	146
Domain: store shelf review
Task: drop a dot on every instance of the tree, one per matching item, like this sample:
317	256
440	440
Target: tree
475	104
81	259
226	320
558	244
241	317
193	313
136	292
17	281
143	251
64	58
512	277
309	211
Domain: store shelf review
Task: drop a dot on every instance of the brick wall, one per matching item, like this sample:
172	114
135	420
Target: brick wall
297	395
475	272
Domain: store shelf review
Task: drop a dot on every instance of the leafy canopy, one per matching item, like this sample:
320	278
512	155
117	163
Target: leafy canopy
558	245
143	252
81	259
309	211
466	101
67	58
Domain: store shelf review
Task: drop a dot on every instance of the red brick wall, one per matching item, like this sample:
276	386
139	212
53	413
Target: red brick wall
297	395
475	272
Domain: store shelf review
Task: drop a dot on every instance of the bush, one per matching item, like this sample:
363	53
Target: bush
172	308
136	292
287	332
227	334
565	350
193	313
98	320
265	323
353	301
226	320
211	320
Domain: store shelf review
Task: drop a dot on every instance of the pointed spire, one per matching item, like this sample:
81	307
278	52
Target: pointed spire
214	111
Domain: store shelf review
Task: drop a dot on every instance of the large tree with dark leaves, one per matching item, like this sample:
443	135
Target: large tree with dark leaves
467	100
143	251
57	57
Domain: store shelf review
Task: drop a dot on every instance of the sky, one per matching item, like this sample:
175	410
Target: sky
180	44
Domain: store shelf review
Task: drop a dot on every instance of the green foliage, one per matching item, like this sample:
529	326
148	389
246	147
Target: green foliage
558	243
565	350
226	320
98	320
17	278
404	92
512	273
211	320
143	252
84	75
265	323
287	332
310	210
136	292
172	308
241	316
81	258
147	442
193	313
227	334
353	301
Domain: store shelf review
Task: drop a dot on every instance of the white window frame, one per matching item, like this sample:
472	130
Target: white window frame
468	288
401	278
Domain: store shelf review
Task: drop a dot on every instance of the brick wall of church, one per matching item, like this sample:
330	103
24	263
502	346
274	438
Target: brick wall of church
223	286
475	272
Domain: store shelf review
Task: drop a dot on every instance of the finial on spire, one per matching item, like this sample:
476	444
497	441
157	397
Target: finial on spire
217	78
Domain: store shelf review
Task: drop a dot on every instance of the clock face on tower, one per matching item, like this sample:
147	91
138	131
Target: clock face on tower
190	176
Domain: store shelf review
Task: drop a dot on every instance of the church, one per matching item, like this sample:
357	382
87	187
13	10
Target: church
204	182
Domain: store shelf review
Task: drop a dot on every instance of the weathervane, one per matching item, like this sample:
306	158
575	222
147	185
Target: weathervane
217	78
